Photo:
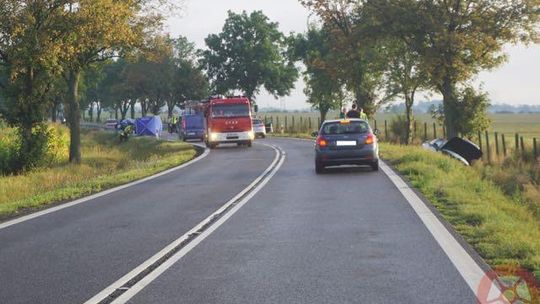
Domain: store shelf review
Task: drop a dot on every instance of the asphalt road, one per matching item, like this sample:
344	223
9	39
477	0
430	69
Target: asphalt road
347	236
70	255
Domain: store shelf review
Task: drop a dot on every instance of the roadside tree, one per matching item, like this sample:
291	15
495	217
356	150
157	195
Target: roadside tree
324	91
249	53
457	39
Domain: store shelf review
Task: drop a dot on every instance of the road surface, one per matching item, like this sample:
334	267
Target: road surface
347	236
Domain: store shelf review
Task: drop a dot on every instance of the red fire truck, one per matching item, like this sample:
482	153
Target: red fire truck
227	120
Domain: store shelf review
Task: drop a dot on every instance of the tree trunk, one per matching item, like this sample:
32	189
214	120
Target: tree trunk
124	107
144	107
409	101
170	109
116	112
323	116
448	91
132	107
91	111
54	111
98	111
74	117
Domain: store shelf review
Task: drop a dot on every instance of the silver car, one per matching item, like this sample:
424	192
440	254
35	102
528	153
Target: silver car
258	128
346	142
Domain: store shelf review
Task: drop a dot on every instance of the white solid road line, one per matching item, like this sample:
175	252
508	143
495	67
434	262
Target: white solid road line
253	188
100	194
462	260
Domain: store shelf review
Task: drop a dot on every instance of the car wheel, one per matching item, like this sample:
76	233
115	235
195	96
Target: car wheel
319	168
263	136
249	144
375	166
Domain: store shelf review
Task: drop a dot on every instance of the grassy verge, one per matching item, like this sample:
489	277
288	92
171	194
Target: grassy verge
501	230
106	163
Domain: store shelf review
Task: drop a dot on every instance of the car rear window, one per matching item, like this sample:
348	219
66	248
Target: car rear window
352	127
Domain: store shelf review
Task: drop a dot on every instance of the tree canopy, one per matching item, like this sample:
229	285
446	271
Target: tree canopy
249	53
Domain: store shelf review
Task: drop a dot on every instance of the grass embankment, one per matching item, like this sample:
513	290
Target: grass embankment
106	163
500	228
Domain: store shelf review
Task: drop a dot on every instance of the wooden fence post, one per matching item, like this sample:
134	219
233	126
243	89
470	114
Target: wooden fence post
309	123
301	124
522	146
480	140
293	126
517	143
434	130
497	144
414	132
444	131
503	144
535	148
278	127
385	130
488	148
286	125
318	122
425	130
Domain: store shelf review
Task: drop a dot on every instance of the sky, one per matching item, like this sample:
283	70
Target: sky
515	82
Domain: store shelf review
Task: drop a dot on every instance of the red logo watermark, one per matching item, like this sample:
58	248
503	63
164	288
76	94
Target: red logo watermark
508	284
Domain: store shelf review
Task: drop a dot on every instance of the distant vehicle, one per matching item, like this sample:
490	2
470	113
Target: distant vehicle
192	127
227	120
259	128
111	123
459	148
346	142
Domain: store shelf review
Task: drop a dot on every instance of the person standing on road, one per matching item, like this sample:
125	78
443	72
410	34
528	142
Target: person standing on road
363	115
343	113
353	113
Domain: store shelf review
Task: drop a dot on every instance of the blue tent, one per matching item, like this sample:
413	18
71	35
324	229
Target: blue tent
149	126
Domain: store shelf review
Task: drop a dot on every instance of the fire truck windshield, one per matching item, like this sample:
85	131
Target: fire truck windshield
230	110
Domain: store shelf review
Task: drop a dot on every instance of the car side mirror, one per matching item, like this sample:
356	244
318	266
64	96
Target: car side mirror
256	108
315	134
376	131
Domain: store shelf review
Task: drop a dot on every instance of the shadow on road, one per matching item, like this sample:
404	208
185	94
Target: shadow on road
347	170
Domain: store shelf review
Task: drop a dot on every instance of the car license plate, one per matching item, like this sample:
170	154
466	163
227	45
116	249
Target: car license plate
191	133
346	143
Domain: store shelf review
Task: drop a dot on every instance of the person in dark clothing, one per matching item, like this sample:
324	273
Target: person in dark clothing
353	113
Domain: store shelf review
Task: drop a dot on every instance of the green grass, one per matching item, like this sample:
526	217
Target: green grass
501	230
106	163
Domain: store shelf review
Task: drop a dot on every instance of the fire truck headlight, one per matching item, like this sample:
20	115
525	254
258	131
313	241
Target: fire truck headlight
251	135
213	136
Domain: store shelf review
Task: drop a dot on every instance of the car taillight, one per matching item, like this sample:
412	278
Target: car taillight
321	142
370	139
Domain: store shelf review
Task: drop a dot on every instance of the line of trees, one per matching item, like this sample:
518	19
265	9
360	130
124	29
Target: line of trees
380	50
86	54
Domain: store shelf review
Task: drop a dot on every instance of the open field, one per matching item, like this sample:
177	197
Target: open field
106	163
527	125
